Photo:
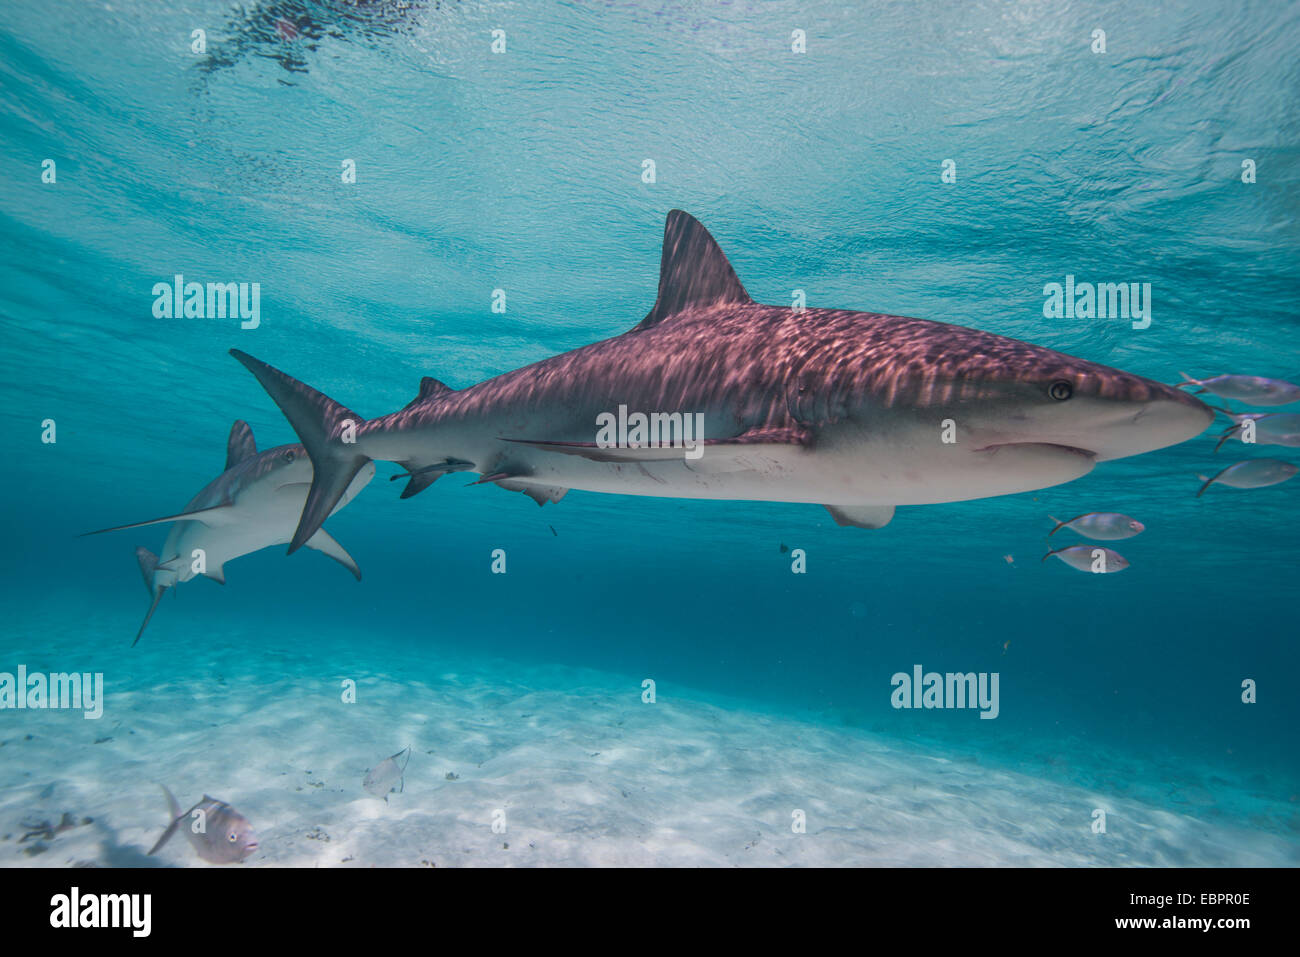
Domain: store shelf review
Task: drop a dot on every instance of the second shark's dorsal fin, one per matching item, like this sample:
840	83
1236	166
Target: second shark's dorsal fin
430	388
240	445
693	271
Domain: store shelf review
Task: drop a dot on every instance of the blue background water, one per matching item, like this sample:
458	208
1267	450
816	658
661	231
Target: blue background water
522	171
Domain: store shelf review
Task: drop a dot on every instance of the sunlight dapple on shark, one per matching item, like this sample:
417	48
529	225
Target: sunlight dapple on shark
824	406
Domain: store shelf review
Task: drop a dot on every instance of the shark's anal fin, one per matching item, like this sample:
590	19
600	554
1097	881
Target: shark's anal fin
693	271
862	516
422	477
240	445
217	515
326	544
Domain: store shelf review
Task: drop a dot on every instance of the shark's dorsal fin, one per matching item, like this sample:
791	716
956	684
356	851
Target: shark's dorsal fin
240	445
429	388
693	271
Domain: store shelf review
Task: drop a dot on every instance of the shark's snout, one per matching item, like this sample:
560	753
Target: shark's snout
1156	417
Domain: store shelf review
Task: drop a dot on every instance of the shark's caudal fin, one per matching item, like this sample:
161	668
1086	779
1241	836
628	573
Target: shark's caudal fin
693	271
148	565
320	423
1059	525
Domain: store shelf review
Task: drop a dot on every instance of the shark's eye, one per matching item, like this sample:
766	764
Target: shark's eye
1060	390
233	837
288	455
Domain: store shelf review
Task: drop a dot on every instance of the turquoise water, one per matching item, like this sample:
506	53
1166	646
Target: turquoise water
523	171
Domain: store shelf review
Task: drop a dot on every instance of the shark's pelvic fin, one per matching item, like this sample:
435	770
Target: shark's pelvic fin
541	494
240	445
217	574
693	271
862	516
319	421
326	544
217	515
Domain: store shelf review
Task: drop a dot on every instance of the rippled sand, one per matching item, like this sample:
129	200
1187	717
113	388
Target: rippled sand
581	771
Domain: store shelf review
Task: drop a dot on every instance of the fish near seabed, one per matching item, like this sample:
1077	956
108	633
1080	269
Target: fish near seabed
254	503
225	837
380	779
844	409
1101	526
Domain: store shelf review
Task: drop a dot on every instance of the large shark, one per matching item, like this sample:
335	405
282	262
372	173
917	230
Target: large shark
857	411
254	503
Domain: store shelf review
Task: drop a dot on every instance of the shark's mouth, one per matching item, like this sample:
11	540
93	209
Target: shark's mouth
1071	449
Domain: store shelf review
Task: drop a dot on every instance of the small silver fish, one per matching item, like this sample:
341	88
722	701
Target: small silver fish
1251	389
1102	526
1271	428
1253	473
380	779
1091	558
225	838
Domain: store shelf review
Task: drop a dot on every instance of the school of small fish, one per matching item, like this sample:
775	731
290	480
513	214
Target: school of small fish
1252	428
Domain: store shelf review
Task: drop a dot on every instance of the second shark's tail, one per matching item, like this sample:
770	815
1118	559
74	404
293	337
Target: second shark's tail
148	566
328	432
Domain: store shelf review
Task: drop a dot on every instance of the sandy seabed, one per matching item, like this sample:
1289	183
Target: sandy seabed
580	770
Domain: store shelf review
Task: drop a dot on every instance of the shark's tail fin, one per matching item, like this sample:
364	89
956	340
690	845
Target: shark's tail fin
148	565
1188	380
1059	525
322	426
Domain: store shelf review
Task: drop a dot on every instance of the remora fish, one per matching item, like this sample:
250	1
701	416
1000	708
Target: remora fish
380	779
226	838
254	503
826	406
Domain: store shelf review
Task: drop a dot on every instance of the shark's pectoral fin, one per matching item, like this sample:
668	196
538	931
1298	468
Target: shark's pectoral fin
541	494
720	450
326	544
217	515
862	516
